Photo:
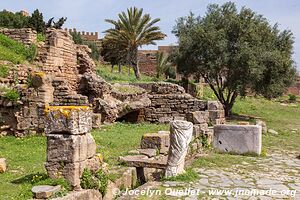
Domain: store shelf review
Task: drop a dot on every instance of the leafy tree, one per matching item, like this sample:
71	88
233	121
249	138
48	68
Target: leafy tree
236	52
132	30
113	53
36	21
13	20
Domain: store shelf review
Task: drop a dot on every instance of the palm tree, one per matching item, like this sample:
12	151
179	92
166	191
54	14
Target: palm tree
132	30
162	65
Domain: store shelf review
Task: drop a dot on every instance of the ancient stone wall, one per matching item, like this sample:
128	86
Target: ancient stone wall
58	57
169	101
24	35
295	89
147	61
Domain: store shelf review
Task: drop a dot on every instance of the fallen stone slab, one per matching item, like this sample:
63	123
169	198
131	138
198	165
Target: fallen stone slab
2	165
159	162
45	191
148	152
240	139
82	195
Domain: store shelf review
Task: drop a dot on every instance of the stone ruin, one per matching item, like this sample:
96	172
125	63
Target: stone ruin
64	71
157	153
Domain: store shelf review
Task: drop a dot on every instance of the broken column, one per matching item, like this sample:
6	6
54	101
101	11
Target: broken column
180	138
70	146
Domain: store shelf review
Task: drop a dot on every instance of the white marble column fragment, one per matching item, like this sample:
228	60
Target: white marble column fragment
180	137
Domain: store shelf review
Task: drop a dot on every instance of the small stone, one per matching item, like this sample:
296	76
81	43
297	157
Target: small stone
271	131
148	152
2	165
45	191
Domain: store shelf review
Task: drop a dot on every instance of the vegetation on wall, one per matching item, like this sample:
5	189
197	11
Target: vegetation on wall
14	51
235	52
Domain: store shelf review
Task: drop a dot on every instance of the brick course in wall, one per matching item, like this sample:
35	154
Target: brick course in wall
24	35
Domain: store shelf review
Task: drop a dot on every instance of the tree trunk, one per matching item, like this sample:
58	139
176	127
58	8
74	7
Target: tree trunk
120	68
136	71
227	109
112	68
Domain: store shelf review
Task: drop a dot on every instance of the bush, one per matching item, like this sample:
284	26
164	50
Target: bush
10	94
292	98
41	37
4	71
97	181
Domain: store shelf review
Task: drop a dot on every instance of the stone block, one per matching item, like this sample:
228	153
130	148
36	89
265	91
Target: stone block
160	141
216	114
45	191
70	148
96	120
82	195
238	139
72	120
197	117
70	171
199	129
214	105
2	165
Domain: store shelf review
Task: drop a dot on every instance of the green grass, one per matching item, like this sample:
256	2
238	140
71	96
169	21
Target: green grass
115	77
9	93
4	71
277	116
25	158
216	160
189	176
14	51
116	140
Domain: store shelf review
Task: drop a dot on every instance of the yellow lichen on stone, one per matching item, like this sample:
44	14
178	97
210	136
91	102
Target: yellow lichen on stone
40	74
64	110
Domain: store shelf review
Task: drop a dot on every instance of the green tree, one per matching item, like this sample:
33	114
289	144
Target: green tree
236	52
113	53
13	20
132	30
36	21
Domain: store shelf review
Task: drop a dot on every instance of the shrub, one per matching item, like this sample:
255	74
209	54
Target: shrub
292	97
41	37
97	181
10	94
4	71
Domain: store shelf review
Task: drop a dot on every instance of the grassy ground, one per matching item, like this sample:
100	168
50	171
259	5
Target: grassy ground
115	77
26	156
116	140
14	51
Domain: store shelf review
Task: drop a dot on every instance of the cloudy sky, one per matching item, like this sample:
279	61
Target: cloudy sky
89	15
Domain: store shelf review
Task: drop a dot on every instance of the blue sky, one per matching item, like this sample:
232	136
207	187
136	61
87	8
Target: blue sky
89	15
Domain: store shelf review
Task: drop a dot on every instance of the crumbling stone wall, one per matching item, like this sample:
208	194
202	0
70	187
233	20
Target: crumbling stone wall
169	101
58	56
24	35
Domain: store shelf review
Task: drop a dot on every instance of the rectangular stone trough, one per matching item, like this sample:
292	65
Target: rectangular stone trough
240	139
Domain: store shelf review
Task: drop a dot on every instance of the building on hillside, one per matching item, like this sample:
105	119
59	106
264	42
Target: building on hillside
295	89
147	59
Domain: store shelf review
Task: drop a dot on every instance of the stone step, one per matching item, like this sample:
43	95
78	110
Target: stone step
159	162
